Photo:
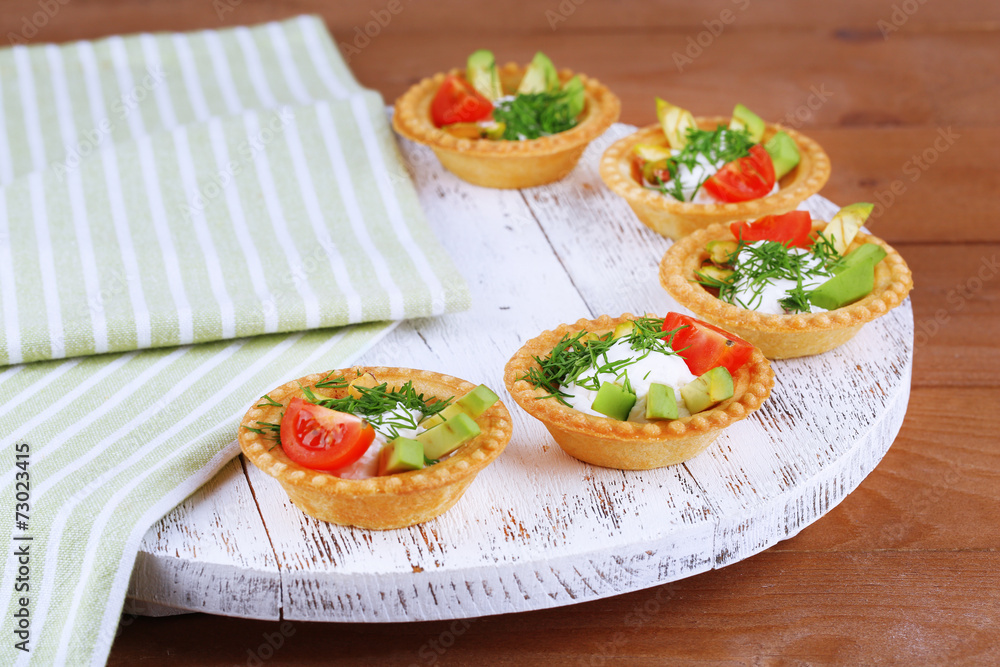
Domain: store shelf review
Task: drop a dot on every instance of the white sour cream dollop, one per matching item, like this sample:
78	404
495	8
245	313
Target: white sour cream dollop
690	178
765	297
367	465
668	369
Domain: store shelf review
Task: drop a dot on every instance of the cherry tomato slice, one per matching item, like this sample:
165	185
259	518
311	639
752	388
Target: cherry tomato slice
704	346
746	178
456	101
792	229
323	439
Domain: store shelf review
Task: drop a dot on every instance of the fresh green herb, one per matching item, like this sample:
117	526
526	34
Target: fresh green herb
268	401
725	286
827	253
534	115
763	262
720	145
582	357
268	429
797	300
333	383
387	410
265	428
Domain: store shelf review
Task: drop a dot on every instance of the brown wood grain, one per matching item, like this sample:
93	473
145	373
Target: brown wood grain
936	488
956	314
853	18
924	195
916	76
905	570
808	79
863	607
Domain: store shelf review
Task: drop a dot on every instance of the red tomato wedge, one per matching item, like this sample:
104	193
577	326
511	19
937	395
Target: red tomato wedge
704	346
323	439
746	178
792	229
457	101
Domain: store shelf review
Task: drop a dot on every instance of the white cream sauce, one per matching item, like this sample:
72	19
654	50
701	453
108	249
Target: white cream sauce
766	297
367	466
670	370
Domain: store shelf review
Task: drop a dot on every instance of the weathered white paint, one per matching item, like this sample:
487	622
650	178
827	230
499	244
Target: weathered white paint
207	554
538	528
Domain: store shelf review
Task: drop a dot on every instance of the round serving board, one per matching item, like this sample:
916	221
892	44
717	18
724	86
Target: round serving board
538	528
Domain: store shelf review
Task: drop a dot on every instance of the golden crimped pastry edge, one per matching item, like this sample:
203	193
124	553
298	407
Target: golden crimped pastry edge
501	163
782	336
439	484
676	219
661	439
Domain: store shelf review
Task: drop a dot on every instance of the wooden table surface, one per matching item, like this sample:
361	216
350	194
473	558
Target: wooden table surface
903	95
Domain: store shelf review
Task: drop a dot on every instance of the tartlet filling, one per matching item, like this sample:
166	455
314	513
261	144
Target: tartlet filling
620	364
771	278
389	425
647	369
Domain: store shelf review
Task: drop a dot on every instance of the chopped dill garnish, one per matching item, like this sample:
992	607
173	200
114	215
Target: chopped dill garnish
720	145
726	286
265	428
269	429
332	383
823	248
763	262
797	300
580	358
268	401
387	410
534	115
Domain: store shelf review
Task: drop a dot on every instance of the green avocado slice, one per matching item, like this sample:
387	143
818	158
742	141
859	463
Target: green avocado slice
867	253
849	285
400	455
475	403
574	96
708	389
540	77
481	72
744	119
784	153
445	438
661	402
613	401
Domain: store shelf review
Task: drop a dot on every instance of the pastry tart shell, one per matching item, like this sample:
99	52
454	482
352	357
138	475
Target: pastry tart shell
500	163
629	445
675	219
782	336
385	502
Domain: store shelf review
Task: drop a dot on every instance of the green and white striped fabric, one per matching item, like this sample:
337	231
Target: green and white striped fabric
168	200
171	189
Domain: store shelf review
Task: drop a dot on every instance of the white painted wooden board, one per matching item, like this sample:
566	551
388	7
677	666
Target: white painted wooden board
538	528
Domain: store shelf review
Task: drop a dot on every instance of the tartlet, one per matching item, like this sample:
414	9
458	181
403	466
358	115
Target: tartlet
385	502
675	219
506	164
782	336
629	445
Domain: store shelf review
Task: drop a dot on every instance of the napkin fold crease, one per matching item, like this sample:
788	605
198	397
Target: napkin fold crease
184	218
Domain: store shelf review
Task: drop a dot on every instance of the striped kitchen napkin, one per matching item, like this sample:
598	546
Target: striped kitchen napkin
183	217
171	189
